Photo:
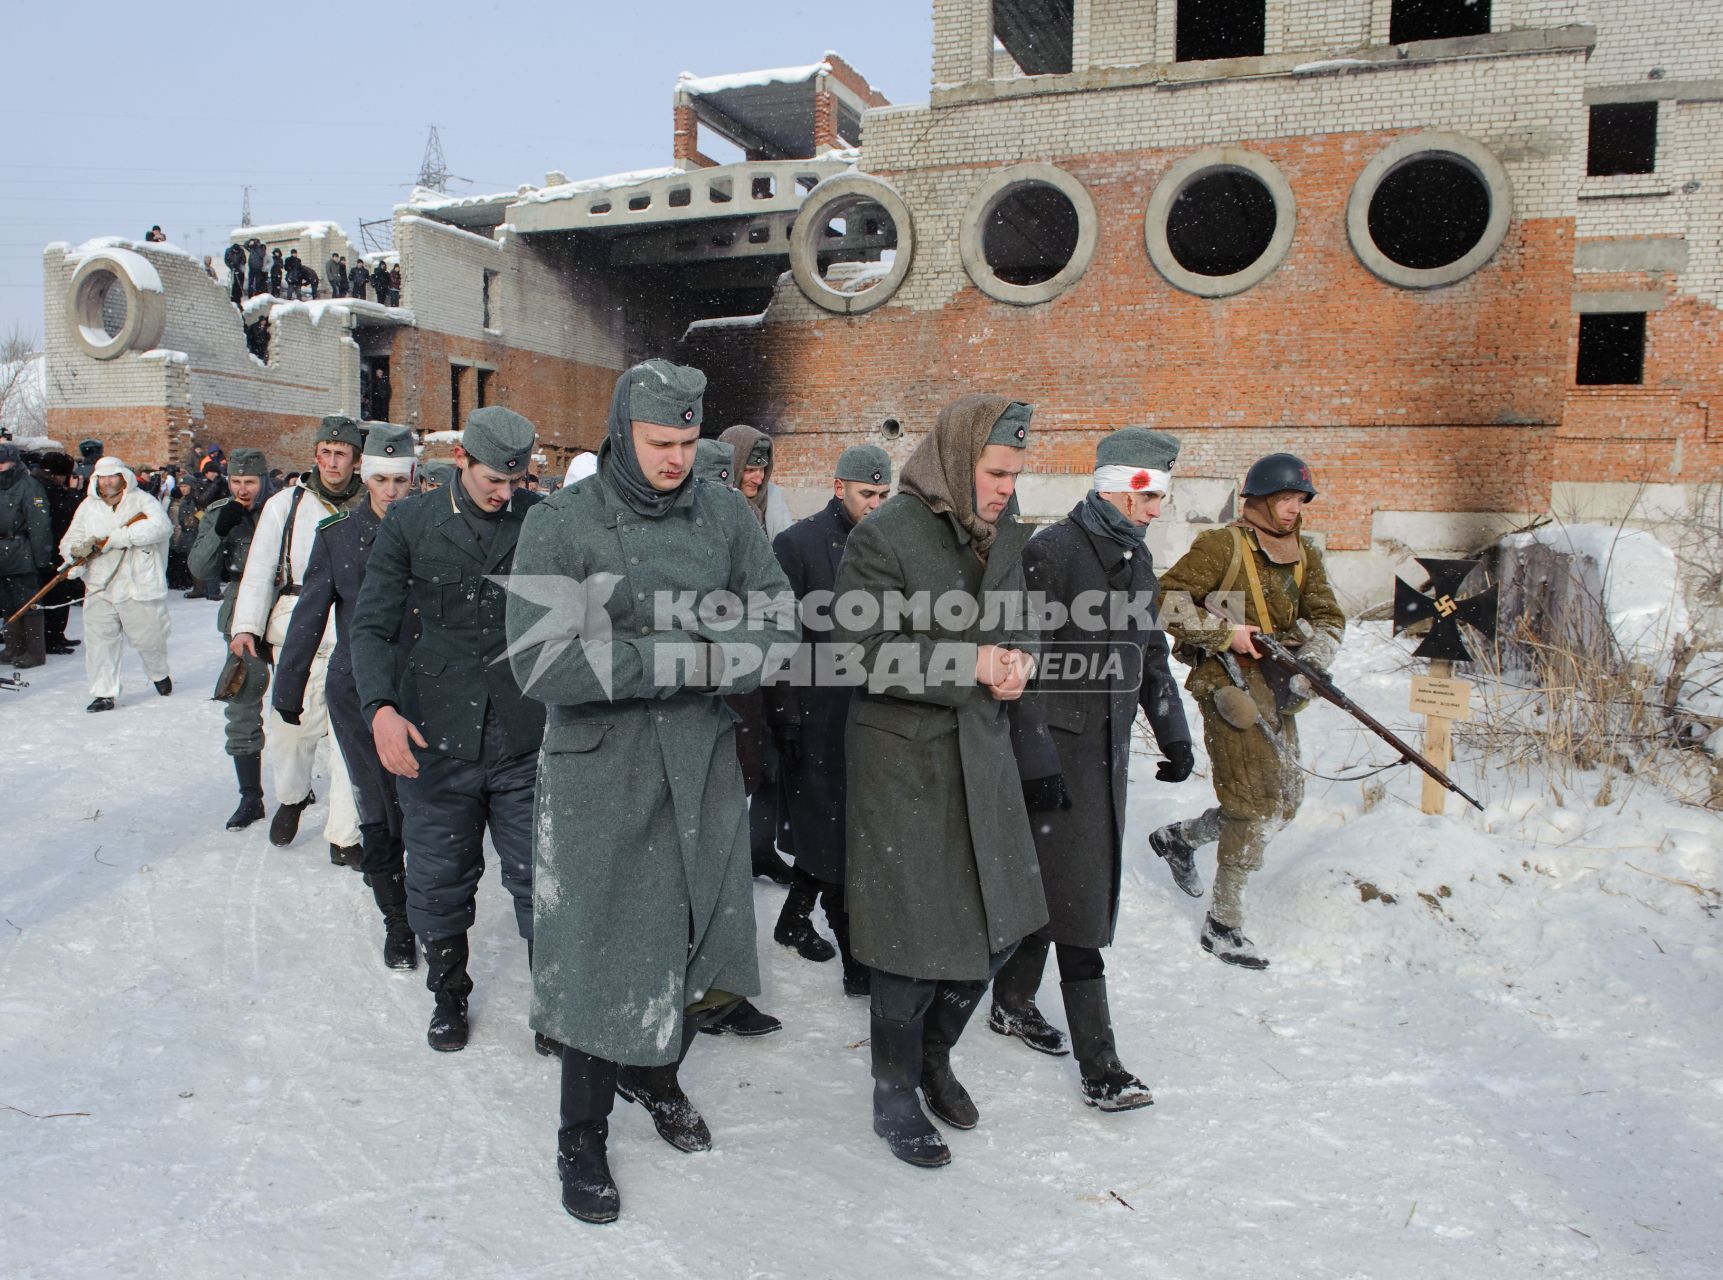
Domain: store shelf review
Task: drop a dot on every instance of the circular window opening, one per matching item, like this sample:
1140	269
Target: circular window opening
855	244
851	243
1030	234
1221	222
1429	212
891	428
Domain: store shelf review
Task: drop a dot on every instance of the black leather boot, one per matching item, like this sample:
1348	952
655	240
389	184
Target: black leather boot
588	1093
446	962
660	1092
285	824
942	1024
390	891
795	927
1106	1083
897	1114
1014	1011
249	771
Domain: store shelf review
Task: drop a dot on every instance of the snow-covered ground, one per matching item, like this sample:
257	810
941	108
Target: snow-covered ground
1513	1069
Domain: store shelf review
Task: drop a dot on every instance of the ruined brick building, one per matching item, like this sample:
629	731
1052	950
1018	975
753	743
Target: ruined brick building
1466	256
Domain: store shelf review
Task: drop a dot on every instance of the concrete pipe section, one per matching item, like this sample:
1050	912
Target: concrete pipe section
116	304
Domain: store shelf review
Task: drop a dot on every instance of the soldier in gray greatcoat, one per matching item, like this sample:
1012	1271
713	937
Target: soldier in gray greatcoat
808	719
1104	660
617	622
26	542
454	728
333	580
218	554
941	875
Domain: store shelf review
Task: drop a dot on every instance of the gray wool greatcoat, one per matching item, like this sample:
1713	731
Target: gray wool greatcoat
1077	718
642	882
941	868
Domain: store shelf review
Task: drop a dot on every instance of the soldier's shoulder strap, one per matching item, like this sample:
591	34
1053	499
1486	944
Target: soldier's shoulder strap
1244	562
337	518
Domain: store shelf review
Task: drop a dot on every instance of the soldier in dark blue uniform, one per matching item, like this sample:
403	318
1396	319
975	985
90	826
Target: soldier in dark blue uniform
808	721
453	726
333	579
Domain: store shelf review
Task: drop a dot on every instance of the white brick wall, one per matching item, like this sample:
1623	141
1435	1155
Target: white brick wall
313	368
1683	37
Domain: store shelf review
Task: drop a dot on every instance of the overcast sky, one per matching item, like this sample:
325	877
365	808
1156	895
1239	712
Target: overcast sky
119	116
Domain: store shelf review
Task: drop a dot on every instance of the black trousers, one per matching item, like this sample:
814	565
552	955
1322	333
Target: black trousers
445	812
900	999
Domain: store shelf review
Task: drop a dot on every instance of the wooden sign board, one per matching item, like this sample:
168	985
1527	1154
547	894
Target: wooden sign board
1435	696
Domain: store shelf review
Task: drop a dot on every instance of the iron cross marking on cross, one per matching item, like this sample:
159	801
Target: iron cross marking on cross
1442	608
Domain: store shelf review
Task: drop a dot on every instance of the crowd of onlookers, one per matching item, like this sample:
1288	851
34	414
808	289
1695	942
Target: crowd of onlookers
253	268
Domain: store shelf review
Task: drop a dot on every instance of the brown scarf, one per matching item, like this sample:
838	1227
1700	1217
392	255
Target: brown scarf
742	438
1281	546
941	471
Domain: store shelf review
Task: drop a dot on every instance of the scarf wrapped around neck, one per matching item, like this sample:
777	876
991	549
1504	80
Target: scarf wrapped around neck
1280	545
742	438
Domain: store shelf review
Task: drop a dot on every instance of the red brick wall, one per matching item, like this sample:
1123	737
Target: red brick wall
1400	399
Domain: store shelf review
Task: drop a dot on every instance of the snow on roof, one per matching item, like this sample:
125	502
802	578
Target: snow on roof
725	322
688	82
440	437
267	304
448	227
287	230
426	200
568	190
143	273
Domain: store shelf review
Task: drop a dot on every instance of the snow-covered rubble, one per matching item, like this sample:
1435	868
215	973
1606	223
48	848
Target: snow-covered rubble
1489	1046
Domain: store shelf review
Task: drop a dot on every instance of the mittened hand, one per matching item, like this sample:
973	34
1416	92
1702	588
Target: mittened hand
1178	764
291	717
1043	795
228	518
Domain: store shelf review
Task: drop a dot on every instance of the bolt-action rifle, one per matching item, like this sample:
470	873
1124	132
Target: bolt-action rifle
1322	687
61	576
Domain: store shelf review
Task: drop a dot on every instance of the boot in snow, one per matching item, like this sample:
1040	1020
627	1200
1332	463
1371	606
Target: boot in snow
249	771
743	1019
1106	1083
660	1092
795	927
588	1093
446	962
164	686
390	892
941	1026
285	824
345	855
897	1114
100	704
1225	942
1180	858
1014	1012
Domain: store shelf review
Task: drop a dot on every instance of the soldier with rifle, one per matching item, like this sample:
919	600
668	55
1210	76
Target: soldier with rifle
1274	579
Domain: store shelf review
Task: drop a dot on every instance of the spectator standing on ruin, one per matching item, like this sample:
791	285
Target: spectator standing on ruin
254	277
395	285
155	235
357	279
275	270
311	280
234	257
337	275
294	271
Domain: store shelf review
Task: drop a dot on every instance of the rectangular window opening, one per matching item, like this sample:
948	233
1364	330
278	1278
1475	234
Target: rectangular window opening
490	299
1611	349
482	393
1209	29
765	186
457	407
1623	138
760	234
1437	19
681	197
640	200
1038	34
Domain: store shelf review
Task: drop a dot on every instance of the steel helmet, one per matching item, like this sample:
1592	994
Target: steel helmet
1278	473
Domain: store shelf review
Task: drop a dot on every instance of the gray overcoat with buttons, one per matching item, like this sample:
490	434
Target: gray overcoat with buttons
643	888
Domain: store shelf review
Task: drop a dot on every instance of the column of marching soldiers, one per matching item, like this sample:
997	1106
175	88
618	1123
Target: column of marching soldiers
507	664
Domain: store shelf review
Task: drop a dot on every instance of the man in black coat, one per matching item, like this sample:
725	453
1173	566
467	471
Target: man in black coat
56	475
807	718
276	268
254	277
333	579
26	545
293	270
234	257
1103	661
455	729
357	279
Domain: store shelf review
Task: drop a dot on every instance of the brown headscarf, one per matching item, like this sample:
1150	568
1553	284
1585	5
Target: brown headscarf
941	471
1278	543
742	439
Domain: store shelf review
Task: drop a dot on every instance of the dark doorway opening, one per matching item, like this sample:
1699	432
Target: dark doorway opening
1611	349
1031	234
1036	33
1623	138
1437	19
1429	211
1219	29
483	392
1221	222
457	395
